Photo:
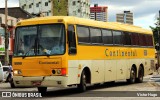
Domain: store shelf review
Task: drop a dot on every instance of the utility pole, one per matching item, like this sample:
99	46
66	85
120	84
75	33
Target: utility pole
6	34
158	51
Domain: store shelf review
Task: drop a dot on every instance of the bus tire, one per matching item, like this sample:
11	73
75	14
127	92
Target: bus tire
82	85
140	75
132	76
42	90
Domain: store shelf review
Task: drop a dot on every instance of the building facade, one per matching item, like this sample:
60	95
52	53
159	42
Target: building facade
36	7
125	17
79	8
99	13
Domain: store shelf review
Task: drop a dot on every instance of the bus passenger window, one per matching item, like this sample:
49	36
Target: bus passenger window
150	40
134	39
142	40
126	38
83	34
107	37
117	37
96	36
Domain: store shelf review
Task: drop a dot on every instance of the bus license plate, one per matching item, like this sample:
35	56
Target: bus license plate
36	83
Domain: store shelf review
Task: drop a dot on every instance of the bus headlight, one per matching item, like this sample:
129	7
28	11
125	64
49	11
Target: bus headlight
17	72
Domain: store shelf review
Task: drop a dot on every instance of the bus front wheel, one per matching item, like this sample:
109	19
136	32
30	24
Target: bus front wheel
42	90
82	85
132	76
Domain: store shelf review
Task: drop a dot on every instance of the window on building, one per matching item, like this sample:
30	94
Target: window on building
74	3
96	36
46	3
107	37
30	6
37	5
47	13
83	34
79	10
22	7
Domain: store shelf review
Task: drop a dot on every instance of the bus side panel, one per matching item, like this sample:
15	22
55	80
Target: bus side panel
97	70
110	70
121	69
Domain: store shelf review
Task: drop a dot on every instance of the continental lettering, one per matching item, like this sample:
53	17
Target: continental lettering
119	52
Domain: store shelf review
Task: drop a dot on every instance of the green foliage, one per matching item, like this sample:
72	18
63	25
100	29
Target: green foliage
2	49
60	8
155	30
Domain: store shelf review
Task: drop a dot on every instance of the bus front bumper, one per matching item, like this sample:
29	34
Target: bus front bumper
40	81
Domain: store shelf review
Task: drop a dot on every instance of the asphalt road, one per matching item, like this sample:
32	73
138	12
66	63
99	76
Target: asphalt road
116	91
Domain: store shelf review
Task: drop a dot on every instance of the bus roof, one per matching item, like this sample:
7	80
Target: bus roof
87	22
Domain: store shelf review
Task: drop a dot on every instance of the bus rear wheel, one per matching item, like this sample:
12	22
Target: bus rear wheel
82	85
132	76
140	75
42	90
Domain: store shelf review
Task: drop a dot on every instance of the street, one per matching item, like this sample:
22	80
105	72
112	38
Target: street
108	90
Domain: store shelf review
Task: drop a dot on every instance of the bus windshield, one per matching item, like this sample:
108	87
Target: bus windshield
40	40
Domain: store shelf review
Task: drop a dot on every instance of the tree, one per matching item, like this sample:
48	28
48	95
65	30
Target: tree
156	32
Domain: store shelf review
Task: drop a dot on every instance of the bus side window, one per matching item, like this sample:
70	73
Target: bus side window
71	40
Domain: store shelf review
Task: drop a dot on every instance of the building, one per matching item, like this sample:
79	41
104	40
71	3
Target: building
14	15
99	13
36	7
79	8
16	12
126	17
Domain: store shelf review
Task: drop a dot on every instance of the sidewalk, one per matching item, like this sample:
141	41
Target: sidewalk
155	77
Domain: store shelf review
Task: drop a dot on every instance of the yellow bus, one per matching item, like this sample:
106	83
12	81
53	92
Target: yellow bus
62	51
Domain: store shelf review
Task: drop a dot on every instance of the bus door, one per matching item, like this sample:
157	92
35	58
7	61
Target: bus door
72	52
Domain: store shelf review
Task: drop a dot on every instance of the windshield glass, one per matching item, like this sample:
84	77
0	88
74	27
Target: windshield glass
40	40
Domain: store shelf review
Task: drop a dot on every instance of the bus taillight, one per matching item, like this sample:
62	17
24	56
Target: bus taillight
63	71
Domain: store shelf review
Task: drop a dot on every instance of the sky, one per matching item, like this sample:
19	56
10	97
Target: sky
145	11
